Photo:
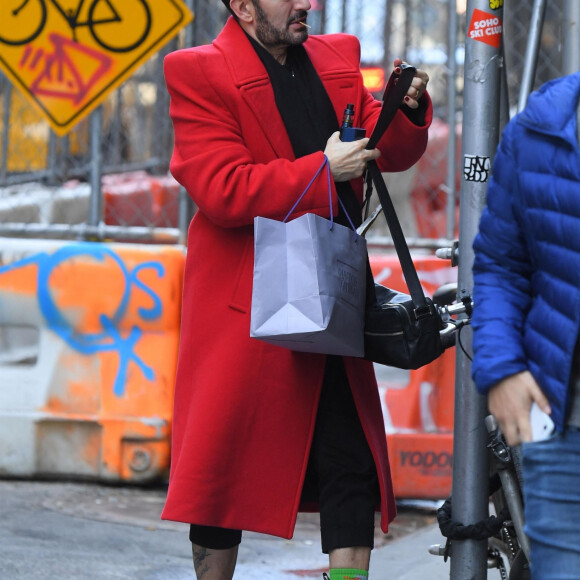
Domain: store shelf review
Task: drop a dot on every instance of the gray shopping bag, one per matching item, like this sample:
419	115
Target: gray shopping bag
309	285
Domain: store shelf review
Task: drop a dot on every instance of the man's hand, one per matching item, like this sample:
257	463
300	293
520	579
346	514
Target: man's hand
417	88
510	402
348	160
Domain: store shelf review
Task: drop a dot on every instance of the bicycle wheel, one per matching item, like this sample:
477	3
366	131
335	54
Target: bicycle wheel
119	25
21	21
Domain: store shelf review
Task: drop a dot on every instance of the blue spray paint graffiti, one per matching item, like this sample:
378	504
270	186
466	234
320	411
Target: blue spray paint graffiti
109	338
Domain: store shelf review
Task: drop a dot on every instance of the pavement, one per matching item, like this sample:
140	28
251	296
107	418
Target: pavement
77	531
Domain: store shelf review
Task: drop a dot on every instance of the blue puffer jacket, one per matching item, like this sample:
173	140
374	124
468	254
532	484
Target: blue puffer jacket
527	251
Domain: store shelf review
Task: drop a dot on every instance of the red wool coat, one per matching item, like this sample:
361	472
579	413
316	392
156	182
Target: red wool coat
245	410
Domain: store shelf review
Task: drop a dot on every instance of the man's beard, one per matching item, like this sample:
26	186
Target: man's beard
269	35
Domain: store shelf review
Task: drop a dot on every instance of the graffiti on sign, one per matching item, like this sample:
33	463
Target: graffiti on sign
67	55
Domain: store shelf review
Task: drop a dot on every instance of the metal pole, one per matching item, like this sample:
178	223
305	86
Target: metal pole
96	201
186	208
93	232
451	111
504	112
532	51
480	136
52	158
5	127
407	28
191	35
387	36
323	17
358	15
571	52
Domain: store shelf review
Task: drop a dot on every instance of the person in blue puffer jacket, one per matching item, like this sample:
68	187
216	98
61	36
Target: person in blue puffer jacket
527	313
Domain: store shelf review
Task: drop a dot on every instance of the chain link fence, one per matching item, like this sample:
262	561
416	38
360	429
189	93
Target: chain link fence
47	183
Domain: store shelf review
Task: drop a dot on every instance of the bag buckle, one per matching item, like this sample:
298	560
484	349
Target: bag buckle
422	312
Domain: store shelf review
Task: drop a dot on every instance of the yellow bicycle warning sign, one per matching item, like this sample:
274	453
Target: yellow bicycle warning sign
68	55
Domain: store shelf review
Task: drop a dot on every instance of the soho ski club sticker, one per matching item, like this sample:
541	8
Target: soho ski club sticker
486	28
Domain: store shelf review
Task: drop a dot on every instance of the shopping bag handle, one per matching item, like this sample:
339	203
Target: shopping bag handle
326	163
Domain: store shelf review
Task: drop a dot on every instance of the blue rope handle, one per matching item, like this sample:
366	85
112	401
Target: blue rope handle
324	162
347	217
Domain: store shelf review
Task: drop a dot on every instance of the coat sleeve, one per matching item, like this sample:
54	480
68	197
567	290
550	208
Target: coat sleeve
404	142
501	275
213	162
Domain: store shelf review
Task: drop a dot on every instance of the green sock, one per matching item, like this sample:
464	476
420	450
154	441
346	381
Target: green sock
348	574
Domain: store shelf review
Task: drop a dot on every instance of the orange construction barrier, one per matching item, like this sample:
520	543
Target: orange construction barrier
418	405
88	347
140	199
87	358
427	194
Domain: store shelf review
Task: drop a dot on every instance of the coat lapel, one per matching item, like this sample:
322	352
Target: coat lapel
253	81
337	74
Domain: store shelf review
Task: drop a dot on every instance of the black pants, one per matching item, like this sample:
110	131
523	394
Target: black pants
341	474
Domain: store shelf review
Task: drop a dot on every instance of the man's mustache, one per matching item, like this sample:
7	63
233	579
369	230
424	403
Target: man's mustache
302	15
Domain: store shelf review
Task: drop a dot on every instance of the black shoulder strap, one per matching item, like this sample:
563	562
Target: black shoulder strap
395	91
393	96
409	271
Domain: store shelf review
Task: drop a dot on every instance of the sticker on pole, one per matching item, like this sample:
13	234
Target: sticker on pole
66	56
486	28
476	168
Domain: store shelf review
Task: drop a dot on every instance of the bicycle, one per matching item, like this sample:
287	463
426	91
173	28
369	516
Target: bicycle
110	22
504	531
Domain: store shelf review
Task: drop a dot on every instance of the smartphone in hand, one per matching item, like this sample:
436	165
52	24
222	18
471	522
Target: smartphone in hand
542	424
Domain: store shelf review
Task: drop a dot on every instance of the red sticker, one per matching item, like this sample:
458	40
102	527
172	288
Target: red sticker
486	28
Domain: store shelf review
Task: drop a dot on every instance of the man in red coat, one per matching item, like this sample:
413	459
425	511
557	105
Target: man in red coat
261	432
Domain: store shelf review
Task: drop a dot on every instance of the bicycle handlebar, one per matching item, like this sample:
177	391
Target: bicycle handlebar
452	326
447	338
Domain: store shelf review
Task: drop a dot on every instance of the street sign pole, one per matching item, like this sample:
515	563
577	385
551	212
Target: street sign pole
571	52
451	187
96	171
480	136
532	52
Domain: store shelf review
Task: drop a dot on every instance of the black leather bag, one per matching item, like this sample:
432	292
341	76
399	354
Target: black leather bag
398	335
401	330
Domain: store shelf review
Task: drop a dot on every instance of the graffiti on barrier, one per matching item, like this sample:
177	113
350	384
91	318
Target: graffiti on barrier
108	336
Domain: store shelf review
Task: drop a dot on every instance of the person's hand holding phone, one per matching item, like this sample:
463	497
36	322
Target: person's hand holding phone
510	402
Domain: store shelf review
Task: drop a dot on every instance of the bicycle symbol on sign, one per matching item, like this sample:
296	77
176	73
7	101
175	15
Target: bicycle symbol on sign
116	25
